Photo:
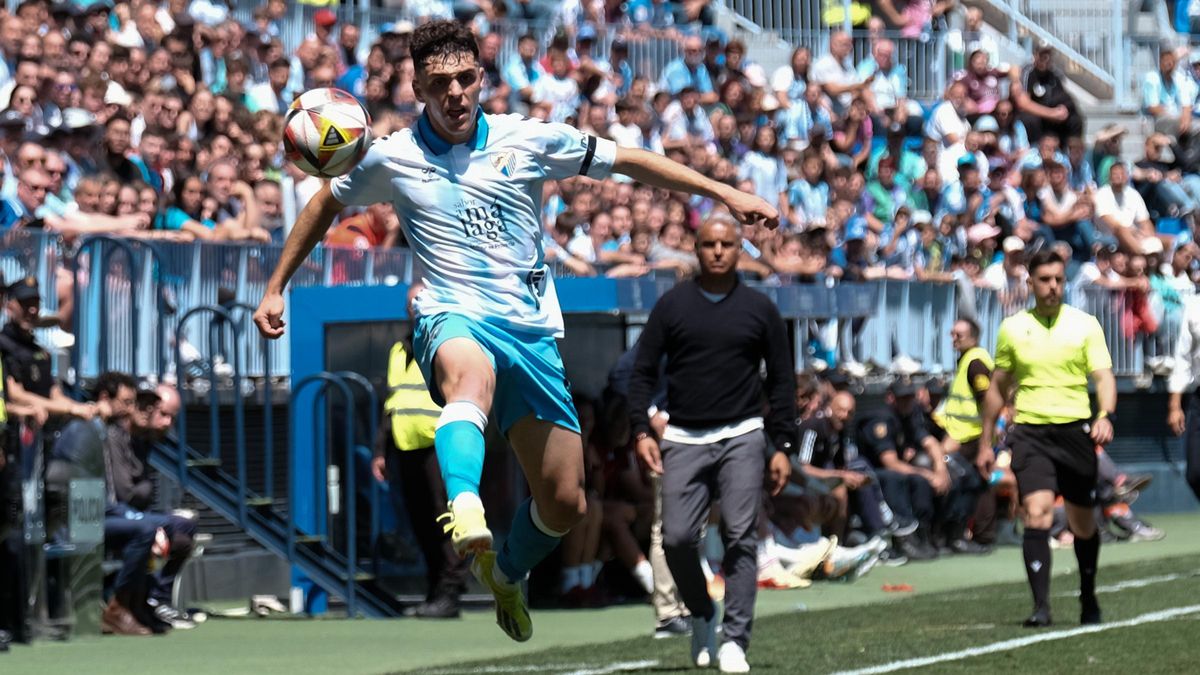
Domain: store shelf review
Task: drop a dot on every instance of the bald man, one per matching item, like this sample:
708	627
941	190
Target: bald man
714	333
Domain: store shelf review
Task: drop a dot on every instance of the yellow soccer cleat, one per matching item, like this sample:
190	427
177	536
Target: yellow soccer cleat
469	533
511	613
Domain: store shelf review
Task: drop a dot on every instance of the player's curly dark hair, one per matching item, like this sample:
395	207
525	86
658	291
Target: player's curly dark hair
440	39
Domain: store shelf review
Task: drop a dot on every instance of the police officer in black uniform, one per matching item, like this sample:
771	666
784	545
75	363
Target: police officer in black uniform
30	390
827	452
27	365
909	464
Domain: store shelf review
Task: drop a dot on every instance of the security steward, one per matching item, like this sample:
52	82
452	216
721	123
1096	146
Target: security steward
405	458
908	462
960	417
1047	354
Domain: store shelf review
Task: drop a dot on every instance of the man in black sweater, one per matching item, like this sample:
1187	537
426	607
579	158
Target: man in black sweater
715	334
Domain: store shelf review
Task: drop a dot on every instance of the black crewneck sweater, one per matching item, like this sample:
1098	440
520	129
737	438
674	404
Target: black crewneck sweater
714	351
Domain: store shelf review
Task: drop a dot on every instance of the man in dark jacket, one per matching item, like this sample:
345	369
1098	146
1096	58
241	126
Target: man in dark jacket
715	334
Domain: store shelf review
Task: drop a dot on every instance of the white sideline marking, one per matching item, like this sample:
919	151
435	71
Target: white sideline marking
565	668
618	667
1008	645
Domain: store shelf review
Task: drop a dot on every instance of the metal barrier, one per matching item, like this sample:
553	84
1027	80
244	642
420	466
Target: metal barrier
321	507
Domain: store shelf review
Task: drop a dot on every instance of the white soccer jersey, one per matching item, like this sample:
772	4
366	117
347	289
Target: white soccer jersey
472	212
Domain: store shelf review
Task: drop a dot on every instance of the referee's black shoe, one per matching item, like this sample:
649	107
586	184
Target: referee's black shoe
1039	619
1090	611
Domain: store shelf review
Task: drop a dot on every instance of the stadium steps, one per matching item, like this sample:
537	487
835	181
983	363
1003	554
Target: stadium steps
213	492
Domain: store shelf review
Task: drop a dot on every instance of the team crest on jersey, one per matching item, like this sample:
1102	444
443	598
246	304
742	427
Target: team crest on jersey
505	162
880	430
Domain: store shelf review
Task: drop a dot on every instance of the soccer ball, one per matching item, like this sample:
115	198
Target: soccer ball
326	132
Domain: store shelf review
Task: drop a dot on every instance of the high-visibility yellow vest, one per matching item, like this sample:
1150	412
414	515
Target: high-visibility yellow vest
3	407
959	414
414	414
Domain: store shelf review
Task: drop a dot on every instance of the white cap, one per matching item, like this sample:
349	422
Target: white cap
1013	244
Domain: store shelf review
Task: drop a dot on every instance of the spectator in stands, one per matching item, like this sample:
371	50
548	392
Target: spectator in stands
1068	213
836	75
1121	215
984	85
685	124
522	73
274	95
689	71
889	90
557	89
764	168
1163	186
1168	96
948	123
789	82
1045	105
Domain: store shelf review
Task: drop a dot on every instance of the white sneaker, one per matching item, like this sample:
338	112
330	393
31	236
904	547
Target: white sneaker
732	659
704	640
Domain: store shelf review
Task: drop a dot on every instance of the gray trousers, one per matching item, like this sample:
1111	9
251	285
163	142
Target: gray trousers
693	476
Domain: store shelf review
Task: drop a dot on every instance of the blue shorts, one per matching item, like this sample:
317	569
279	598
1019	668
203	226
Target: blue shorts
530	378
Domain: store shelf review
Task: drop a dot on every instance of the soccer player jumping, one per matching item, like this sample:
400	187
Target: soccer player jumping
468	188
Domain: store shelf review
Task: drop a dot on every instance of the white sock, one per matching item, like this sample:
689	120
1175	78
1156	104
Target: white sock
571	577
499	575
644	573
468	499
586	578
596	567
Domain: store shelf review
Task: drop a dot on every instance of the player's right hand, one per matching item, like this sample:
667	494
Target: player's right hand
379	469
748	208
269	316
1176	421
649	453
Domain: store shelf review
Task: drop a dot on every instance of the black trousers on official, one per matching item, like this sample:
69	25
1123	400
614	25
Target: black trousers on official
416	474
1191	443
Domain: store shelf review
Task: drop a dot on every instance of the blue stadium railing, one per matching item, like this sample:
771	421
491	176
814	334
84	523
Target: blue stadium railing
127	315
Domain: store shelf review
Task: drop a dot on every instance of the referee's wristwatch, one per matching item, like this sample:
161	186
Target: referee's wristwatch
1111	417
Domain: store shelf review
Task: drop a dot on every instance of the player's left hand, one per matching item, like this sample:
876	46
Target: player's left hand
779	469
748	209
1102	431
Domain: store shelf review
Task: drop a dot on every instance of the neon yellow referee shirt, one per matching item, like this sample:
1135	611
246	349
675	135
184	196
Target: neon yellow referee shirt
1050	363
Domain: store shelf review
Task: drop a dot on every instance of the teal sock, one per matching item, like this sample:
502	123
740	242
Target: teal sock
460	450
526	544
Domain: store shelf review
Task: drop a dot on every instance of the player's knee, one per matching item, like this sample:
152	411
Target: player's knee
567	509
1039	517
679	539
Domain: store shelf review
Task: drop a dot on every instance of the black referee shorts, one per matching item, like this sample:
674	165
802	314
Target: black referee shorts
1058	457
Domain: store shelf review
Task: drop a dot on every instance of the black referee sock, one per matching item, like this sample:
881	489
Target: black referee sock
1087	552
1037	565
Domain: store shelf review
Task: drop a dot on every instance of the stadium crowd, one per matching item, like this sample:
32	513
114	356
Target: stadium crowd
163	120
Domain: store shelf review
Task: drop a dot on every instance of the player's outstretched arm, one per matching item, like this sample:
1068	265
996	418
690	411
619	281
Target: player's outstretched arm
651	169
310	227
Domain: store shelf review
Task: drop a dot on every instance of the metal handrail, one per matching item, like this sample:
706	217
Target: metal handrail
325	380
127	247
1049	38
224	317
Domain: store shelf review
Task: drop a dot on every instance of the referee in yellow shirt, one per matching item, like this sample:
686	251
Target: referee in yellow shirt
1047	354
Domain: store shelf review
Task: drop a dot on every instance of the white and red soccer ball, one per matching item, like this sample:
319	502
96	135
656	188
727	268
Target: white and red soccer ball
326	132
